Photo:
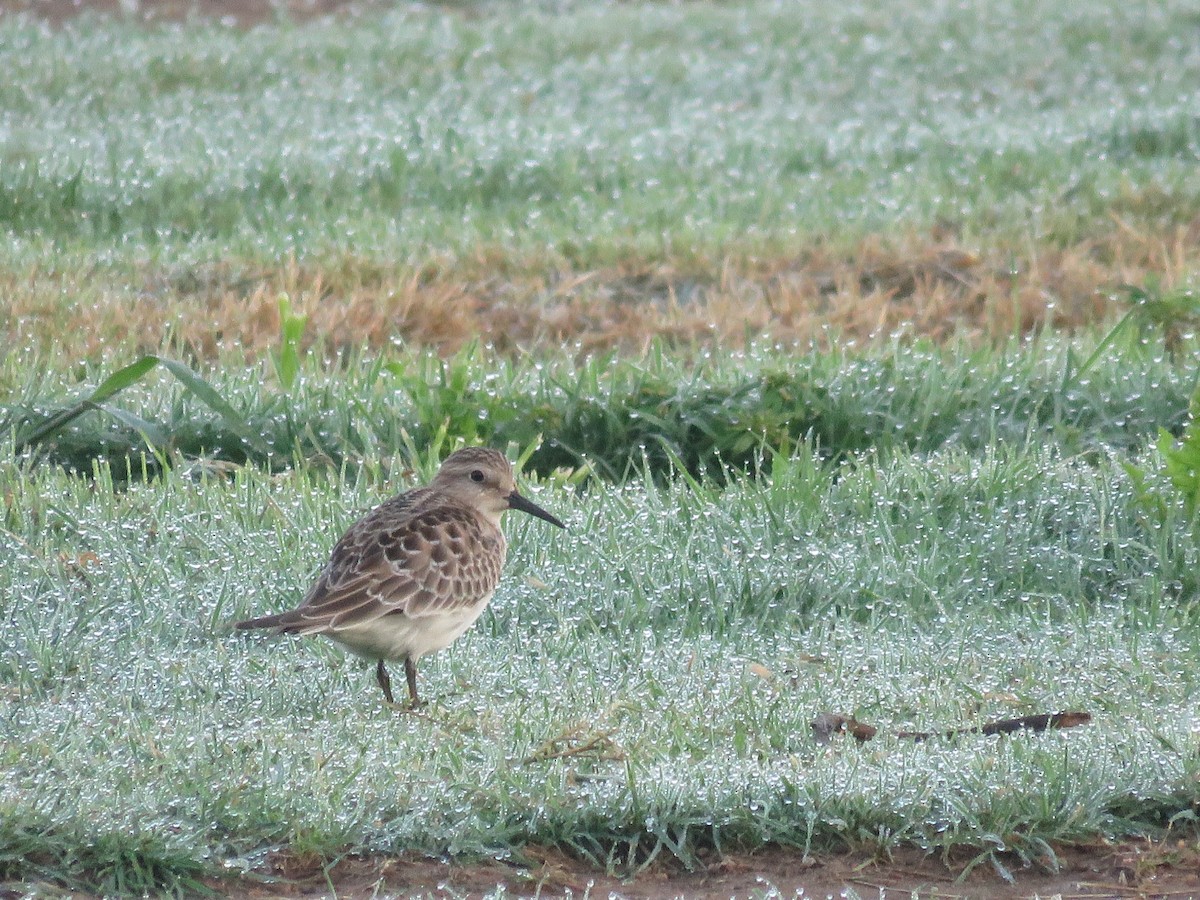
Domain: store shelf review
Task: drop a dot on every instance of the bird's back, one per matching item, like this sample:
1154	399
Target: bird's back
417	554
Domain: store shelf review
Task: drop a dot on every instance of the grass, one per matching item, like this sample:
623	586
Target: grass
681	635
615	415
586	131
783	328
403	167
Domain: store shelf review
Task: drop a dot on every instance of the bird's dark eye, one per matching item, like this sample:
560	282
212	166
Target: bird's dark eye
477	475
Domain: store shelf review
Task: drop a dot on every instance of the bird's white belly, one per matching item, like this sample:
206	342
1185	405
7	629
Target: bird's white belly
399	636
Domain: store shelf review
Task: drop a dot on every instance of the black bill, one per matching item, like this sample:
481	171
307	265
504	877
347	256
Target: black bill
516	501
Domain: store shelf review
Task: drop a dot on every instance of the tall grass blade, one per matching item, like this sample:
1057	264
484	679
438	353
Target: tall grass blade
114	384
214	401
130	375
291	330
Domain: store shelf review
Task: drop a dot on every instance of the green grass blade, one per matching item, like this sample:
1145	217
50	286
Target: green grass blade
153	434
112	385
214	401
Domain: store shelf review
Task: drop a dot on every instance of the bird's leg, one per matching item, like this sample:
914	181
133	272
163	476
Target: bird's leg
410	672
385	682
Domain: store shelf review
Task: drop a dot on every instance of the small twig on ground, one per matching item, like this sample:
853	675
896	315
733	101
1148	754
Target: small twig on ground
826	725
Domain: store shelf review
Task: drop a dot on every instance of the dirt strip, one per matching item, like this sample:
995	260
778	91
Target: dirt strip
1141	869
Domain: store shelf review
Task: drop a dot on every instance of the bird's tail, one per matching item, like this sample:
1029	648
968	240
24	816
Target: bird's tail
260	622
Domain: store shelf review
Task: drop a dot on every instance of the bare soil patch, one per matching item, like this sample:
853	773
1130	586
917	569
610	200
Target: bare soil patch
1133	869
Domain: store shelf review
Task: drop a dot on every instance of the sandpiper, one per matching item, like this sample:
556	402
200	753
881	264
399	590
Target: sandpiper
417	571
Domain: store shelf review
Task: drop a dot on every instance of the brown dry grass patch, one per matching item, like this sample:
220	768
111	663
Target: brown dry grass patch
932	287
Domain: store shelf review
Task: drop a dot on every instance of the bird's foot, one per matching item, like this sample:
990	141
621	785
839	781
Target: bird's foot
409	706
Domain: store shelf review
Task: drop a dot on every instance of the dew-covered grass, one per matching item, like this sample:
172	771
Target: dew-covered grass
616	415
924	537
580	134
642	684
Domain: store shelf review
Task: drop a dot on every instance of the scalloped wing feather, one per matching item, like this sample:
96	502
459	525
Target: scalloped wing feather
426	563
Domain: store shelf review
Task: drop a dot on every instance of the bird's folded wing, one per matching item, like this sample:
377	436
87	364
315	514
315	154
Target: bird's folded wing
421	569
